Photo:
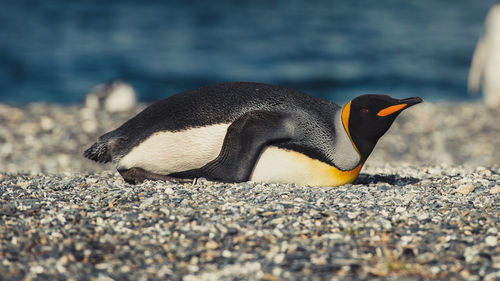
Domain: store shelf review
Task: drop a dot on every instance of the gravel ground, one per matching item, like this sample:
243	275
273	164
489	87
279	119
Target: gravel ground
426	207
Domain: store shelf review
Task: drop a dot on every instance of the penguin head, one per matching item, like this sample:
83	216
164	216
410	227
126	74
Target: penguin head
367	118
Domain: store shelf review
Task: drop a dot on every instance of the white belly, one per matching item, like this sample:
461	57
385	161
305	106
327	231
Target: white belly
171	152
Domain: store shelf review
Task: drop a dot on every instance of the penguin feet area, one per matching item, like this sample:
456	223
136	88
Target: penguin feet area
425	207
390	179
138	176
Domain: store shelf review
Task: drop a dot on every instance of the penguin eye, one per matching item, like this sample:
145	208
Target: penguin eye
364	110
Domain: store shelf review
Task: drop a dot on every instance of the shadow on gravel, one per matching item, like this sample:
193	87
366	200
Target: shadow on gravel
390	179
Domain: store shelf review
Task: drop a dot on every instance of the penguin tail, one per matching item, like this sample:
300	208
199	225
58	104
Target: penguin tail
104	150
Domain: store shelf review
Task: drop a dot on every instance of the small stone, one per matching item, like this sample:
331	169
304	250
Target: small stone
406	239
47	123
491	241
277	271
99	221
91	180
104	277
353	215
193	268
270	277
465	274
37	269
426	258
423	216
495	189
435	270
125	268
89	126
261	199
268	213
400	209
279	258
165	211
146	203
492	276
465	188
211	245
471	255
492	230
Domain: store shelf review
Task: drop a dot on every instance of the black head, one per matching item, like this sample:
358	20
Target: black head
368	117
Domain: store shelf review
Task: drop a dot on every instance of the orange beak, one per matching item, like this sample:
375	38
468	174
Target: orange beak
398	107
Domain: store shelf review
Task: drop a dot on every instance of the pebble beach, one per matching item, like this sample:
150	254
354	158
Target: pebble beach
425	207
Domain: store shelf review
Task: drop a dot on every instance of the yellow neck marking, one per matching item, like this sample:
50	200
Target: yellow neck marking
345	177
346	111
319	173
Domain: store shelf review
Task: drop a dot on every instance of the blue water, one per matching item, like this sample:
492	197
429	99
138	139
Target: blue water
55	50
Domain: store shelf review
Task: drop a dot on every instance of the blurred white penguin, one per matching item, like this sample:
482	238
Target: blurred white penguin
485	66
115	96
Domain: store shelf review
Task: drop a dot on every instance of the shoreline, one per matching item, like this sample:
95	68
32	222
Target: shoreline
425	206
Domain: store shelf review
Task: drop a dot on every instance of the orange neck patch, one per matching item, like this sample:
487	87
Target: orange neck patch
345	117
391	109
346	111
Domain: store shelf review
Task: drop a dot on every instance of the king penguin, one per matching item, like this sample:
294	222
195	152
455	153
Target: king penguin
241	131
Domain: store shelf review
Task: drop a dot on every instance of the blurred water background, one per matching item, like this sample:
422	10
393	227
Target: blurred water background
56	50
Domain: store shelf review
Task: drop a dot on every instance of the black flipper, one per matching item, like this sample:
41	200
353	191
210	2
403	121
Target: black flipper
245	139
105	148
